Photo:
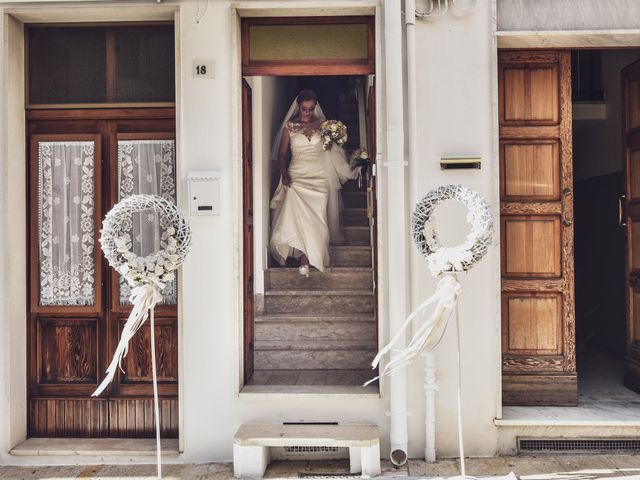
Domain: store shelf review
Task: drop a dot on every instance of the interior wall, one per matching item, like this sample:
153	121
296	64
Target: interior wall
598	143
598	182
271	99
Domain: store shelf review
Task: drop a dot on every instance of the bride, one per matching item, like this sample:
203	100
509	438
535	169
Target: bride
306	205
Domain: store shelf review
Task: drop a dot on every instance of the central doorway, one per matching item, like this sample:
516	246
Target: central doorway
319	331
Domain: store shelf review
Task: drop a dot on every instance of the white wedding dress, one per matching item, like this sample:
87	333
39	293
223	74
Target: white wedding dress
306	215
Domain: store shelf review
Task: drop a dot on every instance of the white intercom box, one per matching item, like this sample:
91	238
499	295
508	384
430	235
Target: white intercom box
204	192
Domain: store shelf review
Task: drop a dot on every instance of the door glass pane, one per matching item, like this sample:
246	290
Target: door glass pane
145	65
66	222
308	42
147	166
67	65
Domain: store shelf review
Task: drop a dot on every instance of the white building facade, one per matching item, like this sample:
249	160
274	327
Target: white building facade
454	70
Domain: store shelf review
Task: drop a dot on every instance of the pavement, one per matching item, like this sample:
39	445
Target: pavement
531	467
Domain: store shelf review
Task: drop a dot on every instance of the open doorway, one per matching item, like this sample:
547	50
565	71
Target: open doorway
600	252
319	332
569	153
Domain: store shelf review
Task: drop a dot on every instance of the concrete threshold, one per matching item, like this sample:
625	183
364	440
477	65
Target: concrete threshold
96	447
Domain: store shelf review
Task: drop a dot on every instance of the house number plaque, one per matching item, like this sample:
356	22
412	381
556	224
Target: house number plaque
204	69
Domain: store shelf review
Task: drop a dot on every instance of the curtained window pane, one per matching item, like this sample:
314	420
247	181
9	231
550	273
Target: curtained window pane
66	223
147	166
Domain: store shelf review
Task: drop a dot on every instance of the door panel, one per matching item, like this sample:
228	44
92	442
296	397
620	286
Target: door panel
631	116
531	246
536	182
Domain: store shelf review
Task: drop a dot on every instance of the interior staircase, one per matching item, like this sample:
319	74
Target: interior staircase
321	330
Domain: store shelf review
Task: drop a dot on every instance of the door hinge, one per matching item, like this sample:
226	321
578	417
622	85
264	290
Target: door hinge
374	169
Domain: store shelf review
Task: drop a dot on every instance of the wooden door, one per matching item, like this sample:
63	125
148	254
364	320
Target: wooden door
631	128
247	230
73	330
536	228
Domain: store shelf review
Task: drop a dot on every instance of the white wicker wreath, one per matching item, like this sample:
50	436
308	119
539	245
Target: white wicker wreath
461	257
156	268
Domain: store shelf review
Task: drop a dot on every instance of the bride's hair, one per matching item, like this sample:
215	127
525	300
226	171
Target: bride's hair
306	95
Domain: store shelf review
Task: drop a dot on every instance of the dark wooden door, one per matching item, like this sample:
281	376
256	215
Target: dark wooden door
247	230
70	345
631	128
536	227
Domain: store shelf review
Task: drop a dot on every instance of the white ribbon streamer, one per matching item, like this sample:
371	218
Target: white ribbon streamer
430	333
144	298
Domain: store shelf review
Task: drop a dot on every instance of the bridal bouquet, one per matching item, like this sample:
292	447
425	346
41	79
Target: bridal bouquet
333	131
360	159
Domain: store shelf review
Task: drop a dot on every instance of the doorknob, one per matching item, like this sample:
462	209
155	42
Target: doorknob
622	215
565	219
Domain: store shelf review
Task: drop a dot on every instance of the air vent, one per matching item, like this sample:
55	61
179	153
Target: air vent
578	445
328	476
307	449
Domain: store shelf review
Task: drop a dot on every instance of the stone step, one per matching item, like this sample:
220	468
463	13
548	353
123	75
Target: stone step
323	332
351	256
314	345
355	199
357	235
348	278
312	377
319	301
355	217
350	357
312	317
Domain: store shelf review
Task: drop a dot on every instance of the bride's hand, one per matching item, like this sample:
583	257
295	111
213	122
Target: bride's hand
286	179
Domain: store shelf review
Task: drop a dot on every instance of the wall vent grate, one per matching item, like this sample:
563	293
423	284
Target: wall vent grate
328	476
310	449
578	445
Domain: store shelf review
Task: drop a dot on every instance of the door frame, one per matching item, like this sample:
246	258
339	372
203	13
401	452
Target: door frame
13	314
548	41
241	18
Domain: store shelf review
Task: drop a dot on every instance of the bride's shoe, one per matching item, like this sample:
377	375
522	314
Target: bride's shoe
304	270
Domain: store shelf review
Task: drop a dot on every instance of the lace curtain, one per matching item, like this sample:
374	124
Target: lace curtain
146	166
66	222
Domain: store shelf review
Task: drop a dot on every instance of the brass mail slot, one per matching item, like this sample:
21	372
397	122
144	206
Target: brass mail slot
460	163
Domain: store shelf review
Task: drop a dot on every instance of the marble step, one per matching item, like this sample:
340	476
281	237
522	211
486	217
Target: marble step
300	356
349	278
327	331
352	217
312	377
350	256
314	317
355	199
357	235
319	301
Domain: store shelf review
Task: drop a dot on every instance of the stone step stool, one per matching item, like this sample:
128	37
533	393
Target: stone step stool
251	445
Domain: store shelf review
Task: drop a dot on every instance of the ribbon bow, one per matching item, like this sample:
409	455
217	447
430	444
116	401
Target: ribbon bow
430	332
144	299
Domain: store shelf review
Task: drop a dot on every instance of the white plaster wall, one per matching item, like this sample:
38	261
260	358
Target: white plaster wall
12	241
527	15
212	412
455	117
